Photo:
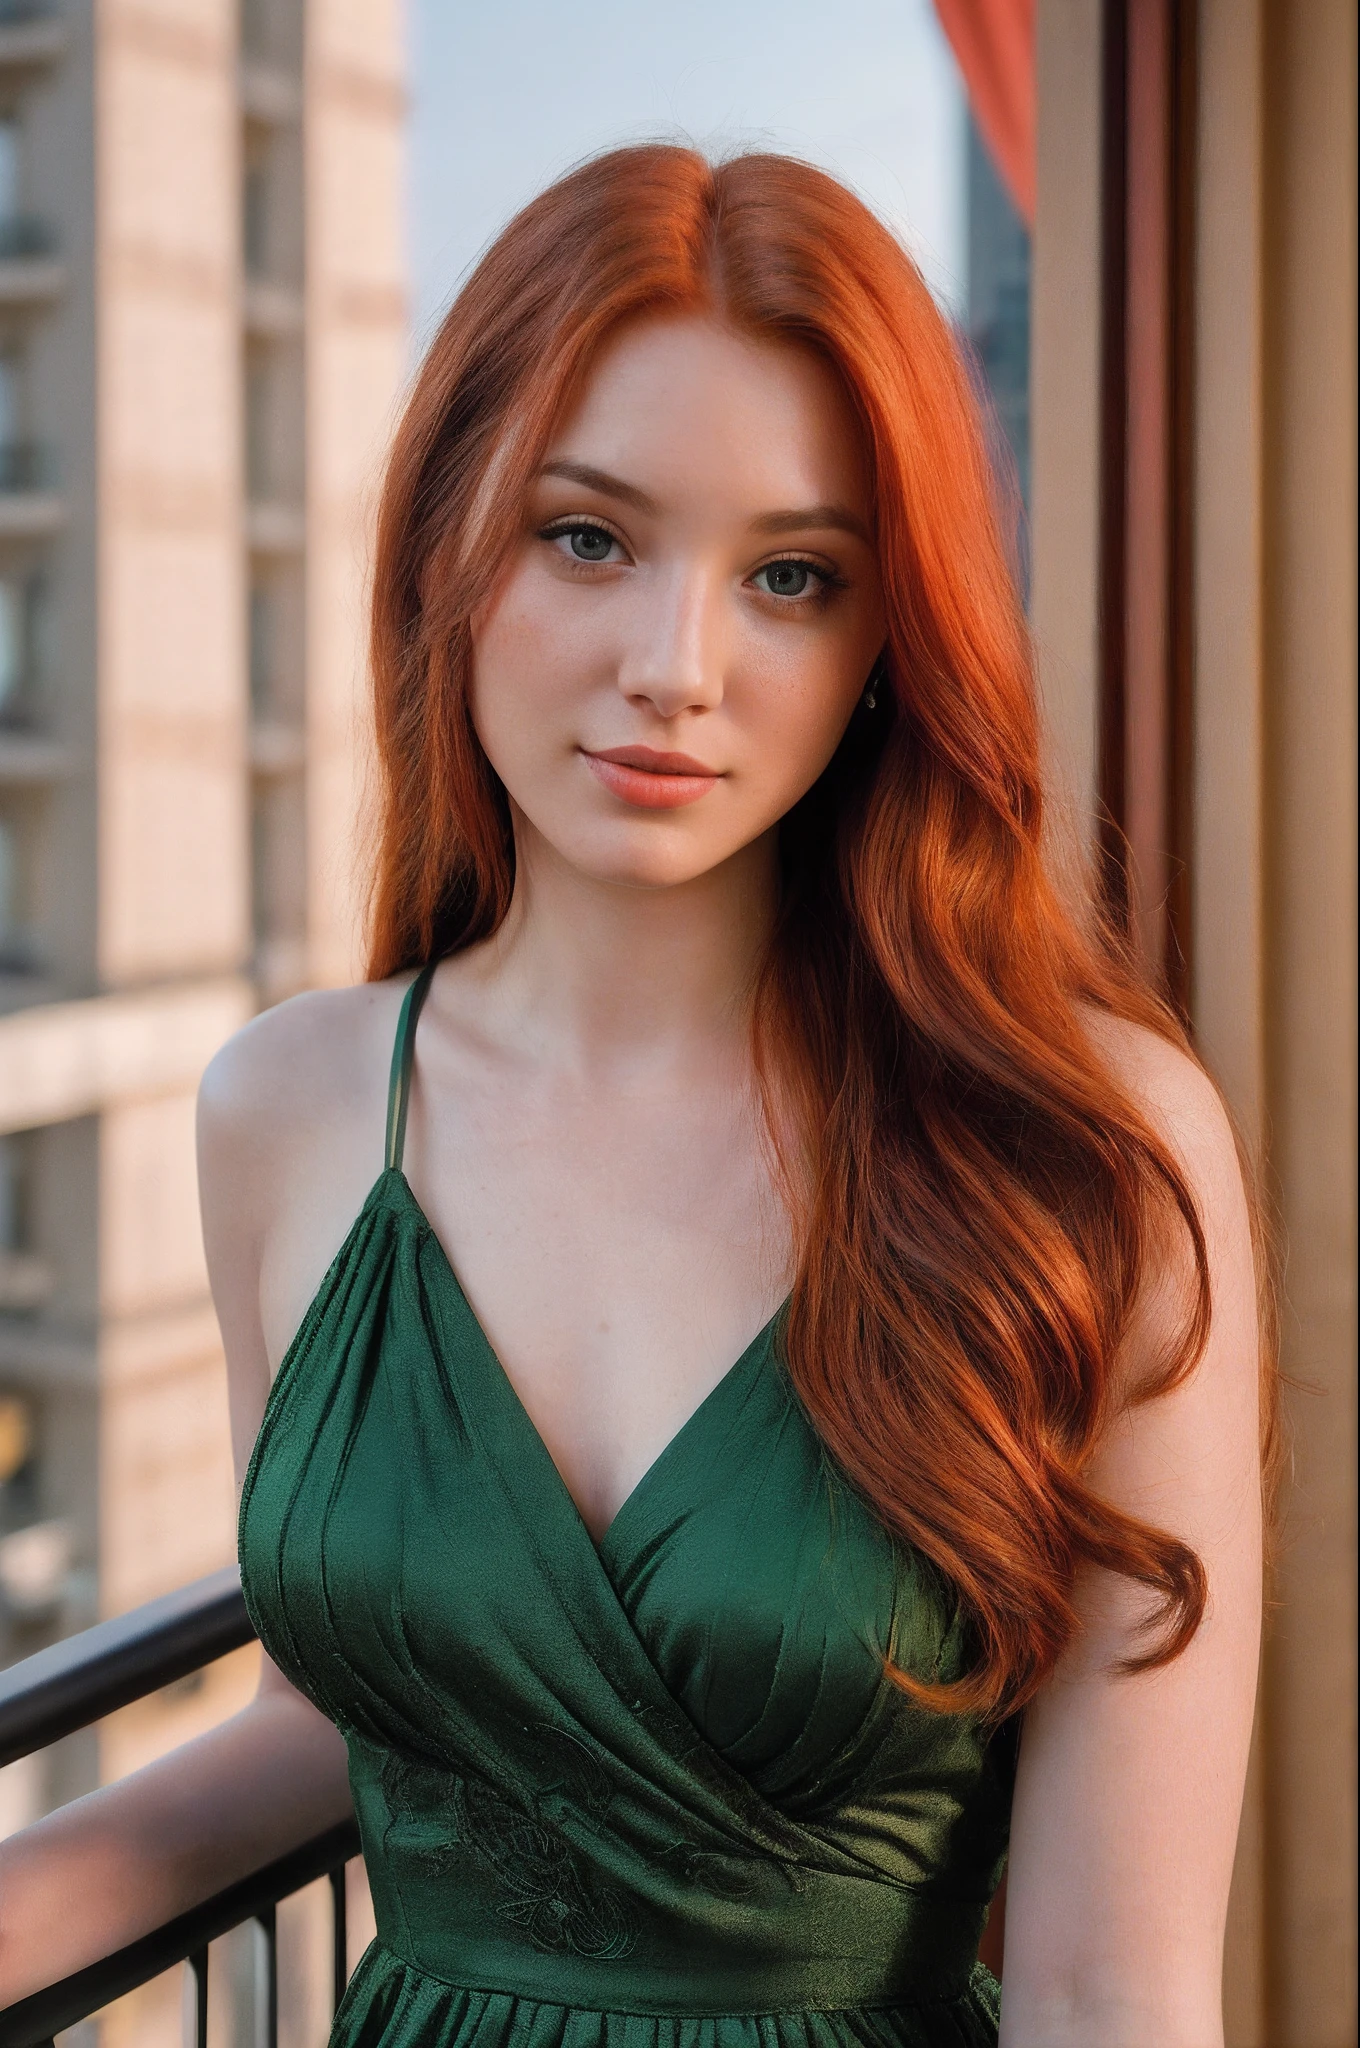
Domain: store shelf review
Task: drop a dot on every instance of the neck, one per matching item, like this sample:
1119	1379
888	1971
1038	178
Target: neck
601	972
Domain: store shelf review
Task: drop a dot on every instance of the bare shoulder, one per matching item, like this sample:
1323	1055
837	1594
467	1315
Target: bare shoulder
290	1139
1177	1097
310	1056
1185	1109
292	1097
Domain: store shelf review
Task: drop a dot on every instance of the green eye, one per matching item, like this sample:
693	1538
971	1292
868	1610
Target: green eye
785	579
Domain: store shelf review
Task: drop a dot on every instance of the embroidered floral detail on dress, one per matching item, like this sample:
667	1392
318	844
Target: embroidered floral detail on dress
420	1798
546	1886
705	1870
527	1836
561	1904
773	1838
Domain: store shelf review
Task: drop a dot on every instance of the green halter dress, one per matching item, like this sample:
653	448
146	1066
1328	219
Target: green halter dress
651	1793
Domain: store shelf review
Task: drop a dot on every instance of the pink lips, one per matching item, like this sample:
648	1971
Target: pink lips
652	780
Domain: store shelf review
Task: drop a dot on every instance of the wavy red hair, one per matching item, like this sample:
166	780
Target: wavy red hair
976	1197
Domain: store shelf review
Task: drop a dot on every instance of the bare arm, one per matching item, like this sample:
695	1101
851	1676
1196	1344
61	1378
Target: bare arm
113	1865
1129	1790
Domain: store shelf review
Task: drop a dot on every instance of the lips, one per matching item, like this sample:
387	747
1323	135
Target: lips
650	779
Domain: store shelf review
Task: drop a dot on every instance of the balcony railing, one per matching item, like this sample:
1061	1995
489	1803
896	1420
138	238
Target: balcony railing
77	1682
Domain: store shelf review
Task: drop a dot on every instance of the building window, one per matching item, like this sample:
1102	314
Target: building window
998	316
10	178
25	1281
278	885
16	1444
19	1506
21	621
13	647
20	234
257	28
259	438
20	468
9	892
263	636
255	217
9	398
15	1208
16	941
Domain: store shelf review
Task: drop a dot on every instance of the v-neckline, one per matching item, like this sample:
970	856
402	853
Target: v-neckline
512	1402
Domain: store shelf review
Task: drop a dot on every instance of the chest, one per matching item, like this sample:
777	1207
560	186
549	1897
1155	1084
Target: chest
693	1684
620	1247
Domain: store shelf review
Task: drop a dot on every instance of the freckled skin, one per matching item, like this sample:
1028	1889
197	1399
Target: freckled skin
678	641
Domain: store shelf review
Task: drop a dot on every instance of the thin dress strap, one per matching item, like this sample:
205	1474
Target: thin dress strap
403	1056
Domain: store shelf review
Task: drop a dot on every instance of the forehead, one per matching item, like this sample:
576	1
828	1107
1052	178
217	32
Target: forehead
679	404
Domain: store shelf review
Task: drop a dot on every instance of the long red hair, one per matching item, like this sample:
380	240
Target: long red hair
976	1197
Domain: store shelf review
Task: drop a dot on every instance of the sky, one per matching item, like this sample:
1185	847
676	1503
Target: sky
507	94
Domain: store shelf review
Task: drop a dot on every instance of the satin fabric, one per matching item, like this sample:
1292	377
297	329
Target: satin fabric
660	1788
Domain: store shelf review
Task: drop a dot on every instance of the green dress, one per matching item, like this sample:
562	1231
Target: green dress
655	1791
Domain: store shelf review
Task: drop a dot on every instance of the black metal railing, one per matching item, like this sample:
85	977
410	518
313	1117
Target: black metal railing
77	1682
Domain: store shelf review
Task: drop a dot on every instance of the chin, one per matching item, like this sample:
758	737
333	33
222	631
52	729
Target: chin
645	870
643	859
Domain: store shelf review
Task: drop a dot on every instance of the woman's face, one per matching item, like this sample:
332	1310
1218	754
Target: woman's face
693	609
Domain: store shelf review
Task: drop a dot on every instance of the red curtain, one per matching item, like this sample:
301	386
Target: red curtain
993	41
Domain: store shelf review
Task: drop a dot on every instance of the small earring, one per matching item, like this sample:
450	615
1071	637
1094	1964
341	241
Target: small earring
871	687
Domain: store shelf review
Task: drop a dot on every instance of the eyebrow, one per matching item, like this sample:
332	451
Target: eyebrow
600	480
805	520
809	518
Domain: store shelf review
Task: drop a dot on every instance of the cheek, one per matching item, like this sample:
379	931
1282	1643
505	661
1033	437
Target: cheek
531	653
518	671
507	636
795	724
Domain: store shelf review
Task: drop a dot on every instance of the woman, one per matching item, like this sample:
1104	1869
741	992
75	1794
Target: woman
751	1028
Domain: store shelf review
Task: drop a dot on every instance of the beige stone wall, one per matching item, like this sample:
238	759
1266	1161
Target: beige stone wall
356	360
173	868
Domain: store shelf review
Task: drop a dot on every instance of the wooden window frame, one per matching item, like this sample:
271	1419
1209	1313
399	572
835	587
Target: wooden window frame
1146	541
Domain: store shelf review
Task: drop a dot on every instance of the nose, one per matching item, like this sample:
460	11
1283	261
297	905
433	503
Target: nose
675	660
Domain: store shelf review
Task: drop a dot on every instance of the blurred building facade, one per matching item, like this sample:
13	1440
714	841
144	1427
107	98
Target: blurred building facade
202	338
